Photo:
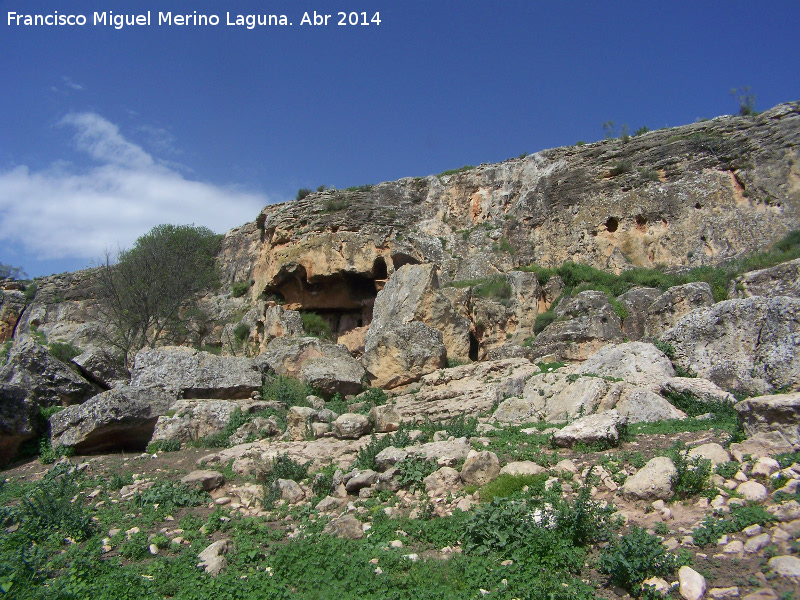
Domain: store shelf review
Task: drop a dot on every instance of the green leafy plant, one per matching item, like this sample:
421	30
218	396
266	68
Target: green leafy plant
163	446
635	557
170	495
692	473
714	527
315	325
288	390
240	288
64	351
241	332
367	454
413	470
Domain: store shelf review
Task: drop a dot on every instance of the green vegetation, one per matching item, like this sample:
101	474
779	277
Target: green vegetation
635	557
163	446
692	473
360	188
64	351
315	325
366	456
455	171
302	193
153	287
335	203
494	288
241	332
746	100
714	527
240	288
507	485
290	391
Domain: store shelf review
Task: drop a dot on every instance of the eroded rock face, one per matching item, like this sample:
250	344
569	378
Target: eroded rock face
591	429
584	324
120	419
48	381
188	420
637	302
779	413
412	294
327	366
677	301
17	420
639	363
749	345
278	322
101	368
196	374
780	280
12	303
403	354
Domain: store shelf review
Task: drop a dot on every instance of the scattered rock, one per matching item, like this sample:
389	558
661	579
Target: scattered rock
351	426
692	584
599	428
346	526
212	559
774	413
403	354
653	481
481	468
204	479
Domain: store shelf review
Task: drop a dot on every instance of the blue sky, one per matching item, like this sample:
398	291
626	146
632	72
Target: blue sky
105	133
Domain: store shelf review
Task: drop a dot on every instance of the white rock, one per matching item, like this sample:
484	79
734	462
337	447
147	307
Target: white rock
692	584
752	491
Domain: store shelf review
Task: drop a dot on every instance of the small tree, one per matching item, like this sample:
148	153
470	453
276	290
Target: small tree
153	287
746	100
9	272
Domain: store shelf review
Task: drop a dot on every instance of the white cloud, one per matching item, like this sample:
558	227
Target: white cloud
60	212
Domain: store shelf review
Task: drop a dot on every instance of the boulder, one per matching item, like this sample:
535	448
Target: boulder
636	302
522	467
480	468
360	480
327	366
441	481
779	413
188	420
298	422
12	303
351	426
750	346
412	294
639	363
465	390
101	368
698	388
204	479
279	322
257	428
290	490
711	451
780	280
212	559
18	420
389	457
403	354
584	324
122	418
196	374
48	381
346	526
384	418
677	301
599	428
653	481
445	453
641	405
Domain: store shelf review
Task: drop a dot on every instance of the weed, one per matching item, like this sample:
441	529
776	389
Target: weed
507	485
239	289
170	495
739	517
163	446
64	351
241	332
315	325
288	390
692	473
366	456
414	470
636	557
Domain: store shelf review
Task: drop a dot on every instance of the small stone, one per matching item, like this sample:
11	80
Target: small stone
222	501
113	532
723	540
752	491
692	584
740	476
734	547
786	566
396	544
756	543
153	549
718	502
660	585
779	535
752	530
765	466
723	593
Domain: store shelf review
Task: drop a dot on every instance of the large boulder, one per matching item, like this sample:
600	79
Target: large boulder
196	374
412	294
49	382
642	405
584	324
189	420
637	302
17	420
326	366
468	389
639	363
780	280
779	413
677	301
279	322
403	354
750	346
653	481
120	419
600	428
101	368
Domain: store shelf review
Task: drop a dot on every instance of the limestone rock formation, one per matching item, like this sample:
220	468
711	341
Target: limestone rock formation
120	419
748	345
599	428
403	354
412	294
638	363
780	280
101	368
779	413
327	366
196	374
12	303
670	306
49	382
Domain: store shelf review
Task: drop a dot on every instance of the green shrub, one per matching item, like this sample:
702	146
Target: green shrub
413	470
374	396
288	390
366	456
507	485
714	527
48	454
543	319
496	288
635	557
241	332
63	351
620	167
455	171
220	439
692	473
315	325
239	289
457	426
163	446
30	292
284	467
302	193
170	495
